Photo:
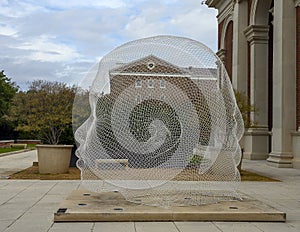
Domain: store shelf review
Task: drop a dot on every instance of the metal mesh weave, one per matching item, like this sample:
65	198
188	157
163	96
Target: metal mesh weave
161	126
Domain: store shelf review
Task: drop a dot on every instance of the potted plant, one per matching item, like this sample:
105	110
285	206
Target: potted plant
45	109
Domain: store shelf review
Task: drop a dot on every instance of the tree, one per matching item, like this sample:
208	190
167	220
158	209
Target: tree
246	108
45	109
8	90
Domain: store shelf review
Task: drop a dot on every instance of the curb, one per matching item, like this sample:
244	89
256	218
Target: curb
15	152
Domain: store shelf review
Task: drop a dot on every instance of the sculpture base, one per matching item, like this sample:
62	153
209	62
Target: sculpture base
86	206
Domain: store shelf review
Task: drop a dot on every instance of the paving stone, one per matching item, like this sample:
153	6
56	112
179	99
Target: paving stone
64	187
25	201
31	222
196	227
236	227
10	214
4	224
114	226
72	227
295	224
17	162
155	226
276	227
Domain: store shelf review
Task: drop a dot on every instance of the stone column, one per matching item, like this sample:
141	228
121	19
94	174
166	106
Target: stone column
239	56
256	140
284	83
296	134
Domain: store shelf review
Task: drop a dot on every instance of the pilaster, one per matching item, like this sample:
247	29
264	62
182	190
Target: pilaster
296	149
239	56
256	140
258	38
284	84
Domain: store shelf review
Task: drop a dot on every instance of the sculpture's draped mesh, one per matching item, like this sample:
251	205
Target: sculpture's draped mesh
159	123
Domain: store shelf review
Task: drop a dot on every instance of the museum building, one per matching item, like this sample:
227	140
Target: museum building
259	43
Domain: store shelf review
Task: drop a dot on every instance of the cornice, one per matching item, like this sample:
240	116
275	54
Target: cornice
212	3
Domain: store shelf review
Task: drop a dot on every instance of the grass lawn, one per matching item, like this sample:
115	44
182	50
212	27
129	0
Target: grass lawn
10	149
74	174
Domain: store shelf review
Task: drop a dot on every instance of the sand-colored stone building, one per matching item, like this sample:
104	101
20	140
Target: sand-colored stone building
259	42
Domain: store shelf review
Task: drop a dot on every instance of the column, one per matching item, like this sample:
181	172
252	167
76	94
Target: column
240	45
256	140
284	83
296	134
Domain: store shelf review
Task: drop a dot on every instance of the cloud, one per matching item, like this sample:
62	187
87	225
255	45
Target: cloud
16	8
43	49
57	40
67	4
184	18
8	30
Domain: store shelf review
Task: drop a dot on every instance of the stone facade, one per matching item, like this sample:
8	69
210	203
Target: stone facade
264	62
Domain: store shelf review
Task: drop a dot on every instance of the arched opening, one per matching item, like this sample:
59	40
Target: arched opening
228	47
260	12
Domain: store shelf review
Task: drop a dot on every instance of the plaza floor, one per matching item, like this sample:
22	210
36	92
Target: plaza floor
28	205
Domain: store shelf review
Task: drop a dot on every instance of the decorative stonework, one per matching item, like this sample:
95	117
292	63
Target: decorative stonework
225	8
257	34
251	67
222	55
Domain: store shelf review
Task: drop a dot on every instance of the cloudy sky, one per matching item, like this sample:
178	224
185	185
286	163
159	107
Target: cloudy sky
60	40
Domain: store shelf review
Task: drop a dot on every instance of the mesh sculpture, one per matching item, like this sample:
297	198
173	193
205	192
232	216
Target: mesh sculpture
162	126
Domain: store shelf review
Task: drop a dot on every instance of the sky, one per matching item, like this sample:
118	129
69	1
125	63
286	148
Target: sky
59	40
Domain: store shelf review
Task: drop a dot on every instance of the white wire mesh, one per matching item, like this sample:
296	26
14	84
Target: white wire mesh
160	124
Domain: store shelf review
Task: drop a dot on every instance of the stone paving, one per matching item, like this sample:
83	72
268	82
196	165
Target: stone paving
28	205
16	162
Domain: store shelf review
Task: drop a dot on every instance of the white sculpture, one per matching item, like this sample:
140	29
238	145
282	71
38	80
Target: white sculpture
163	127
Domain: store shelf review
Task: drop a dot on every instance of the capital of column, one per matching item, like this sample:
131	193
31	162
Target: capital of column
257	34
221	54
297	3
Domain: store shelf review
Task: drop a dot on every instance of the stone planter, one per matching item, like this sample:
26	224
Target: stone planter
54	159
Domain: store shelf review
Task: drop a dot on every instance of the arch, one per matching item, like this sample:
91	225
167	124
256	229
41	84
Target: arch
226	45
224	30
259	14
229	48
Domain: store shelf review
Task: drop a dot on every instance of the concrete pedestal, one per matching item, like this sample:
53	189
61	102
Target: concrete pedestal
111	206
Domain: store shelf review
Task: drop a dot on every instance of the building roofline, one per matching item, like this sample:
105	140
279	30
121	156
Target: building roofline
212	3
202	77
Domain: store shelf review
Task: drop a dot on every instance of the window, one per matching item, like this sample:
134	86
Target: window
162	97
162	84
151	83
150	65
138	83
138	98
